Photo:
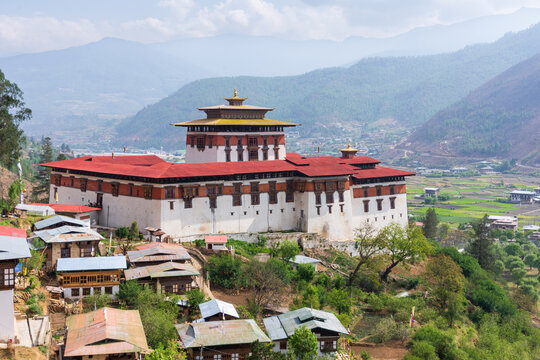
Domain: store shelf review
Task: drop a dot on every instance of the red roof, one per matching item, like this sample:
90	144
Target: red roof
158	244
64	208
12	232
215	239
150	166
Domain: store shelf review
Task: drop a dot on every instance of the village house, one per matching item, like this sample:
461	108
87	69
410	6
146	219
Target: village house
167	277
501	222
323	324
90	275
156	253
215	309
522	197
216	242
88	214
230	339
301	259
431	192
13	247
105	334
237	178
23	210
65	237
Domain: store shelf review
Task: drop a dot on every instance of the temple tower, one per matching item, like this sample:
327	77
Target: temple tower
235	132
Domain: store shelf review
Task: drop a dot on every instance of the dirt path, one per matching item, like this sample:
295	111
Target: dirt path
392	350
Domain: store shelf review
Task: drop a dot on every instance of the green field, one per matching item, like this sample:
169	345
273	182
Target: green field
470	197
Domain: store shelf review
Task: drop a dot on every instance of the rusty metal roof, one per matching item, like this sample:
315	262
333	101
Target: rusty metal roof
220	333
105	331
167	269
158	252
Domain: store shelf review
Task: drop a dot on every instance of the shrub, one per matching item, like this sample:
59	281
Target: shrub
364	355
442	342
195	297
129	291
306	272
281	269
376	302
288	249
340	300
226	271
385	330
324	280
423	350
339	282
96	301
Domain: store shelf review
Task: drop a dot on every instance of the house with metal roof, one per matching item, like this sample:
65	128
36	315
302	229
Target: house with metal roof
519	196
106	333
156	253
168	277
12	249
91	275
34	209
58	221
11	231
66	241
230	339
88	214
301	259
217	310
323	324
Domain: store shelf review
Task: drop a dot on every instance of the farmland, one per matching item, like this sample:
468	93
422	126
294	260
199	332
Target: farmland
472	197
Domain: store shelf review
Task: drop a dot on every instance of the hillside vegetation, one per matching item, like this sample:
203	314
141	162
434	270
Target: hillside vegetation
500	118
408	89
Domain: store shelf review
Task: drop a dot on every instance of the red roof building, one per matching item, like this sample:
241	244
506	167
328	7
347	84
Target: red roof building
237	178
12	232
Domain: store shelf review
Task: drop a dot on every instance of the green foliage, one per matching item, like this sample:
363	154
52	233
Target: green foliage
129	292
247	249
195	297
288	249
133	233
226	271
530	259
518	274
430	224
33	282
364	355
32	305
171	352
303	344
266	285
513	249
158	316
96	301
385	330
340	300
306	272
422	350
481	246
122	232
281	269
263	351
12	113
37	259
498	267
443	343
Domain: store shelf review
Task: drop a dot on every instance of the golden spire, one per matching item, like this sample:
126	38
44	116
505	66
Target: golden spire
235	93
235	100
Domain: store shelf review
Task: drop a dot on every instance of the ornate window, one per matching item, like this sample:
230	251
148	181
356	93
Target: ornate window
82	184
379	190
366	206
253	155
114	188
169	192
329	197
366	191
392	203
148	192
272	194
58	180
392	190
379	204
289	193
100	185
200	142
341	197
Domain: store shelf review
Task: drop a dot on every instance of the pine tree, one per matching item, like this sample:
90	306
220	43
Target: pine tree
481	247
430	224
44	174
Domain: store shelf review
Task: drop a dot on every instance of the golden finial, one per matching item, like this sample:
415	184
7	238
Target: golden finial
235	93
349	145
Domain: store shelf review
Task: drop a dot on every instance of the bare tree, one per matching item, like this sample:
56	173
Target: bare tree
367	246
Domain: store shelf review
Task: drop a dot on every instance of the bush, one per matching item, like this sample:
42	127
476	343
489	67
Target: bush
377	302
339	282
340	300
226	271
423	350
281	269
129	292
195	297
96	301
442	342
385	330
306	272
288	249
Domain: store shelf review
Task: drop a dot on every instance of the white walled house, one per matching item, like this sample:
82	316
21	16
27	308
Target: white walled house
275	191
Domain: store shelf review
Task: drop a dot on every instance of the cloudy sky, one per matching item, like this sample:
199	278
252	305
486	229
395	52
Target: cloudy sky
38	25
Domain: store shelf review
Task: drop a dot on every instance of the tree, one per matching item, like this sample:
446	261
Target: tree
96	301
401	246
44	174
14	192
513	249
445	280
12	113
158	316
306	272
430	224
268	288
171	352
518	274
530	260
195	297
129	292
264	351
481	247
226	271
498	267
303	344
127	236
367	244
133	231
288	249
340	300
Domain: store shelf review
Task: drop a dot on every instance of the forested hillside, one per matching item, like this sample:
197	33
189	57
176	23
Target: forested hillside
500	118
409	89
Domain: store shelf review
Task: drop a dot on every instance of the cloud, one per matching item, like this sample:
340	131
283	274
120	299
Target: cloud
40	33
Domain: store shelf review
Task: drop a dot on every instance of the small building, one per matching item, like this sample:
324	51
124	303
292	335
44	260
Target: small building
88	214
215	310
168	277
104	334
431	192
12	249
535	236
216	242
520	196
67	241
323	324
501	222
301	259
24	210
531	228
58	221
156	253
230	339
91	275
459	170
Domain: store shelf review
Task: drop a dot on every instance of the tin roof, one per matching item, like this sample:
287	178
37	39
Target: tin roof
301	259
67	233
59	219
11	231
214	307
523	192
13	248
158	252
215	239
42	209
220	333
91	263
287	323
66	208
166	269
105	331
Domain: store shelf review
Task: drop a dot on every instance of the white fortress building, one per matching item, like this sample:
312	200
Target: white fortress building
237	178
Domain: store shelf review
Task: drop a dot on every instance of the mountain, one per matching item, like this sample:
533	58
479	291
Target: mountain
409	90
501	118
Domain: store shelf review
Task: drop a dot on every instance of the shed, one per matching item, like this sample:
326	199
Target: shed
216	242
301	259
217	310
